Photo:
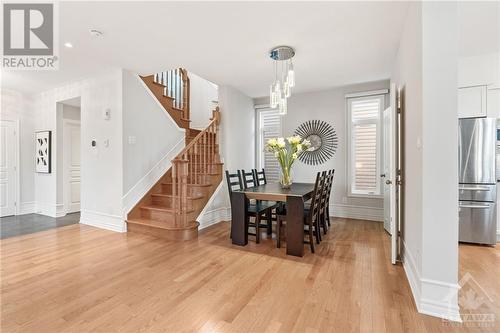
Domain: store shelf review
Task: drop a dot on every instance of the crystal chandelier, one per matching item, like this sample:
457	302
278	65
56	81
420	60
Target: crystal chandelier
284	77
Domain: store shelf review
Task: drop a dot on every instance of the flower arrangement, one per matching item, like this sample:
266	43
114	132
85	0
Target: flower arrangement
286	152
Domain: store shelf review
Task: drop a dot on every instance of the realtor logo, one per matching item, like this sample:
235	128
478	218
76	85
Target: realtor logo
29	36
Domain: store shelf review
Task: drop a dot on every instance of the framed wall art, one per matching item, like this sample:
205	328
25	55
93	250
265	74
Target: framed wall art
43	152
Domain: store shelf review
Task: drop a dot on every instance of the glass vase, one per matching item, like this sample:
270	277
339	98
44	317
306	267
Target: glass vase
286	178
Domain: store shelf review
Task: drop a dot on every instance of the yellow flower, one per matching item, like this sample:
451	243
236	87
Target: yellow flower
299	148
281	143
294	140
272	142
294	156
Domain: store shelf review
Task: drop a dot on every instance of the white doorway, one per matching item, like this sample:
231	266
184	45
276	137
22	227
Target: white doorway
69	155
72	167
389	175
8	167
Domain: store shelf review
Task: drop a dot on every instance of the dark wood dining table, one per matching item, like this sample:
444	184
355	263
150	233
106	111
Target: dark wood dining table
295	197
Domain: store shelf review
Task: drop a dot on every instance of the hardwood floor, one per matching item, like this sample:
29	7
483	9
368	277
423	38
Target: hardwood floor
78	279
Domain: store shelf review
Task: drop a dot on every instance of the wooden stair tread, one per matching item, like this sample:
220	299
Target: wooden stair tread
162	208
160	224
199	163
199	185
167	195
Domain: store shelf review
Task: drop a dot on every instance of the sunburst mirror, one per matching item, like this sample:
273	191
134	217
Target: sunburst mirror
323	138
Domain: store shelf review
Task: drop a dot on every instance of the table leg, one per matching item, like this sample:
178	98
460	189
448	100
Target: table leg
295	226
239	220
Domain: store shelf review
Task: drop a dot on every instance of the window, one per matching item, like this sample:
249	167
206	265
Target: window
364	126
268	126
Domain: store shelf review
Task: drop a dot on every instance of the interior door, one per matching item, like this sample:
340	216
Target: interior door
72	165
7	168
389	173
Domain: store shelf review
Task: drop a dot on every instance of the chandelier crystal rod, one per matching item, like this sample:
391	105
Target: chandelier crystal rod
284	77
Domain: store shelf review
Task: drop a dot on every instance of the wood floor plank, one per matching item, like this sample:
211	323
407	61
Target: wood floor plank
82	279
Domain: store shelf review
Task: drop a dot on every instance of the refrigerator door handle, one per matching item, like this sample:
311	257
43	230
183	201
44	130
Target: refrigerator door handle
474	206
478	188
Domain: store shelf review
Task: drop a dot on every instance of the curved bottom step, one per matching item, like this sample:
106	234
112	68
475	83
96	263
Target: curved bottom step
156	229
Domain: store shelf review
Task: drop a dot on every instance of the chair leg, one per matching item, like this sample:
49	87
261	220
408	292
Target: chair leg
278	232
328	215
311	238
269	216
257	228
317	230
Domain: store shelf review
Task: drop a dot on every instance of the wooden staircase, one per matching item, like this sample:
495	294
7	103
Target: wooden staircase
170	208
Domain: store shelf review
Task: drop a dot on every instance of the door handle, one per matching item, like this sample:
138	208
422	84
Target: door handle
474	206
388	182
382	175
479	188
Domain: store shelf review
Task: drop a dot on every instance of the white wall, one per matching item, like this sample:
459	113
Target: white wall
18	107
426	68
330	106
237	147
202	95
101	174
481	69
407	75
157	137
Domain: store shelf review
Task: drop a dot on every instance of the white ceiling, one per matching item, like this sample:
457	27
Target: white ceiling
337	43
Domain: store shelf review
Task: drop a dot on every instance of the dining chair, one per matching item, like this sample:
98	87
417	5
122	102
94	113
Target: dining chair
249	179
260	177
323	209
329	191
311	216
258	210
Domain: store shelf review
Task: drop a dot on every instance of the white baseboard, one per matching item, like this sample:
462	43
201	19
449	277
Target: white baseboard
357	212
210	215
137	192
215	216
412	274
498	236
49	209
432	297
27	208
103	221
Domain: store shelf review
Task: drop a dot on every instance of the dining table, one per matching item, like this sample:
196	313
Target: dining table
294	197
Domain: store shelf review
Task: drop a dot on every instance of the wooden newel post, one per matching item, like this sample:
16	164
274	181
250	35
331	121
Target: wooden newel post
180	182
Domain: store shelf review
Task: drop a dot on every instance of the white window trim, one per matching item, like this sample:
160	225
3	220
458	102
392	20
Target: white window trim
259	145
350	146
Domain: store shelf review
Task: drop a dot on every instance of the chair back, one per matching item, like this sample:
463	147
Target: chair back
233	181
325	193
260	177
330	185
248	179
316	196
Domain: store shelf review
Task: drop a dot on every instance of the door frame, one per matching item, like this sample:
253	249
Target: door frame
66	193
17	181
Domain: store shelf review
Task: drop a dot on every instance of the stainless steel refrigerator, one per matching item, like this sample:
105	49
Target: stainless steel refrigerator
477	180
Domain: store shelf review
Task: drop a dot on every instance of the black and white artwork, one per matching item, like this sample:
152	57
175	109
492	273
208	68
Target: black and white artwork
43	146
323	138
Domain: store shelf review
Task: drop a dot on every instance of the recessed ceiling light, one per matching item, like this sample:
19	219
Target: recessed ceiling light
69	45
95	33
